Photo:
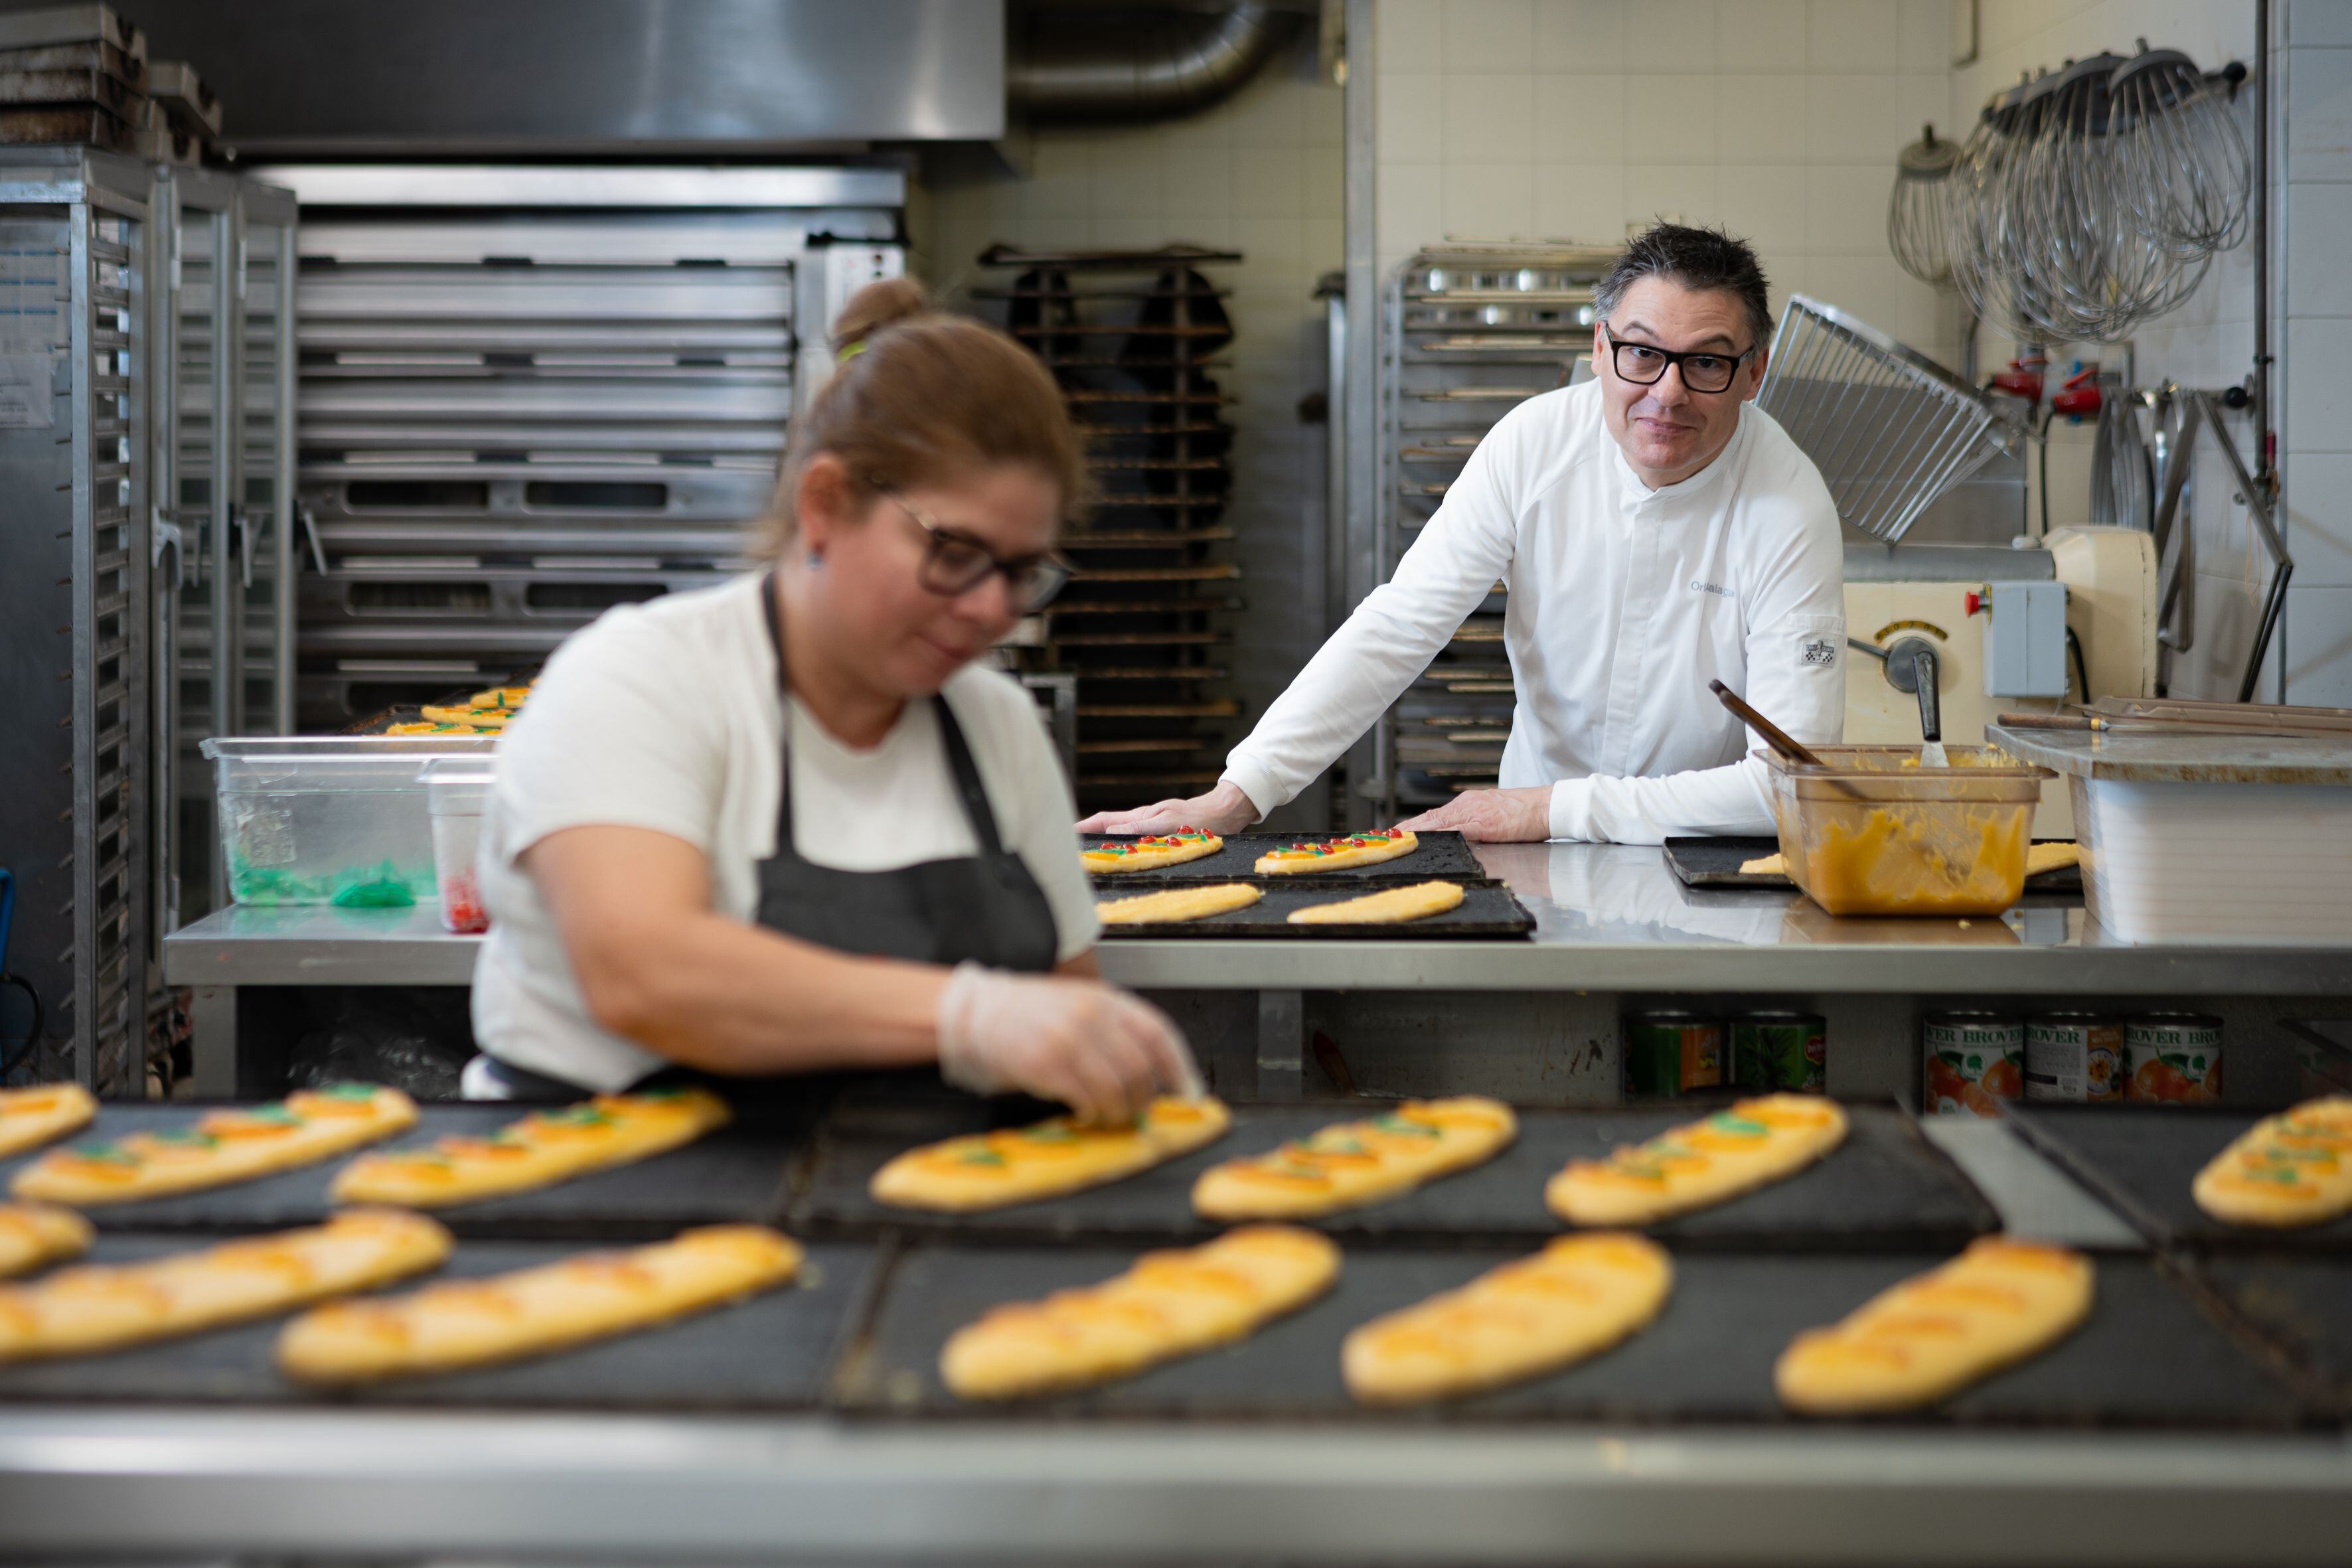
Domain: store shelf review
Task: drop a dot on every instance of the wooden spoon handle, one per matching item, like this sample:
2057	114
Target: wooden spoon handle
1774	736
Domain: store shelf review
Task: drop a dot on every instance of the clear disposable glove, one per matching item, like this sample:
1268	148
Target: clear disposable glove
1095	1048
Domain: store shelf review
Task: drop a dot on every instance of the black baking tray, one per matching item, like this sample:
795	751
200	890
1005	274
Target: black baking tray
1440	856
2155	1352
1715	862
1886	1187
2140	1160
2300	1303
772	1352
738	1172
1487	910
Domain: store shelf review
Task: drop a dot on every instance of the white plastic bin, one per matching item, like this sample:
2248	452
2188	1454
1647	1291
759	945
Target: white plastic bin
456	791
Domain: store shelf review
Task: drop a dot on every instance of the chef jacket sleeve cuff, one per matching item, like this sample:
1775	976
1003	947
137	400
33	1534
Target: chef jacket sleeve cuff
1253	782
1571	809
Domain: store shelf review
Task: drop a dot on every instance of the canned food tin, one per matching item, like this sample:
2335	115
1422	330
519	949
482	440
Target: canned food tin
2075	1058
2175	1058
1670	1051
1973	1062
1777	1049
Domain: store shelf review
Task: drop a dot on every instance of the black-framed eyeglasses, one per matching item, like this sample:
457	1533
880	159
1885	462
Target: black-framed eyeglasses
955	562
1644	364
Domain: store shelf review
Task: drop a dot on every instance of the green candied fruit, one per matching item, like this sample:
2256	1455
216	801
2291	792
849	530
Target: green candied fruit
981	1157
108	1153
193	1135
1723	1121
250	884
383	888
575	1116
1047	1133
1394	1123
275	1112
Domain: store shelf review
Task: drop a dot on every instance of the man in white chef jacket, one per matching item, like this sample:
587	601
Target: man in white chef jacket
1658	530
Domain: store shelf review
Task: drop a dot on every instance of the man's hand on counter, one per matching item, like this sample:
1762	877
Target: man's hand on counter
1491	815
1224	809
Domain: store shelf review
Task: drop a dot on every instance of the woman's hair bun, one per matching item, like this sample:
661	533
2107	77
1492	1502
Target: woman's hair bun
878	305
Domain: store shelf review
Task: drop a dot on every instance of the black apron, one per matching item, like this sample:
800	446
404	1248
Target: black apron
985	908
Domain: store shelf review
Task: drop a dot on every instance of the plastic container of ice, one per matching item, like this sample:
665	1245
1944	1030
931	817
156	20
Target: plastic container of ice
1871	832
329	819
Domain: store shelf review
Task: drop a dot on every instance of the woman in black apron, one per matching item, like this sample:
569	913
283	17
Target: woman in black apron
634	933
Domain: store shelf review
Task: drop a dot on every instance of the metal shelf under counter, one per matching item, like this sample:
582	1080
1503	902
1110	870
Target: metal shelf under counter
1612	925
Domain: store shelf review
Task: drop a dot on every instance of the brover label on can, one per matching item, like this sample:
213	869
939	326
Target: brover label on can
1670	1051
1775	1049
2174	1058
1972	1062
2075	1058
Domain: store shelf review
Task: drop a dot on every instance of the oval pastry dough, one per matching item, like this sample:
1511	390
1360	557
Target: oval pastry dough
1150	852
103	1306
532	1311
221	1148
2292	1168
1177	904
1578	1297
33	1235
1047	1160
1169	1304
1393	906
1353	1163
31	1117
1751	1144
542	1149
1999	1302
1338	854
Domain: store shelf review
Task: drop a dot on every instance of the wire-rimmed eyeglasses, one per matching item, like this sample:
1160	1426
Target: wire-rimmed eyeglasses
955	562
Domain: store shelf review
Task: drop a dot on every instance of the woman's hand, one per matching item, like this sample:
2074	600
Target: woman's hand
1103	1053
1491	815
1224	809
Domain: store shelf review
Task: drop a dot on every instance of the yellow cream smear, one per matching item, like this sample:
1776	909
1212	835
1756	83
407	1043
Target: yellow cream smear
1890	864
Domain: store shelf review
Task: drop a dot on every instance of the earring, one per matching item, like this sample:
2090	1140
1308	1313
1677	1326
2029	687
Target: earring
815	559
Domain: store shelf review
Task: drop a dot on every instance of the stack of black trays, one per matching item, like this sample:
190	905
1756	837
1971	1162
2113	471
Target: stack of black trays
2175	1342
1133	337
72	75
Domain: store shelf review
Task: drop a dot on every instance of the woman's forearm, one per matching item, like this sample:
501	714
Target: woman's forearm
715	994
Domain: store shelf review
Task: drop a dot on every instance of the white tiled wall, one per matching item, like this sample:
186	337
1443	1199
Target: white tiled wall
1573	119
2208	343
1260	173
2315	411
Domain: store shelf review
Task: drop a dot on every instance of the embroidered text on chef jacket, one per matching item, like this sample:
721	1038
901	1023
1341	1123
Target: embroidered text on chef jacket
1625	602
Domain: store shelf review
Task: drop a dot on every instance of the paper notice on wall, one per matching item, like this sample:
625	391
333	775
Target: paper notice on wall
26	400
35	294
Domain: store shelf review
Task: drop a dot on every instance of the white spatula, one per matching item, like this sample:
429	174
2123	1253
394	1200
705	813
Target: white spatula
1931	721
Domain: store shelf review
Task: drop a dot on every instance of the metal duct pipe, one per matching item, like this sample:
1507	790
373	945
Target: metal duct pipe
1082	62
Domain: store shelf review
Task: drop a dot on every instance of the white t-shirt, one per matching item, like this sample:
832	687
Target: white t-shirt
1625	602
666	716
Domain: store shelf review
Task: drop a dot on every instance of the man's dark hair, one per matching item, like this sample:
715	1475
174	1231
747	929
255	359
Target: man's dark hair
1696	258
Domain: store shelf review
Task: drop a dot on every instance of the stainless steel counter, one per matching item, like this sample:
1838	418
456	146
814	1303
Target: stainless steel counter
564	1488
1608	918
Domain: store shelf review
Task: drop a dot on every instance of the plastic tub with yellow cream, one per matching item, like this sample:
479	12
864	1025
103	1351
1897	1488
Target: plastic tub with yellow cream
1871	832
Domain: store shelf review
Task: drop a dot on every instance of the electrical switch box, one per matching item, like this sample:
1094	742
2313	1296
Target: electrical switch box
2025	640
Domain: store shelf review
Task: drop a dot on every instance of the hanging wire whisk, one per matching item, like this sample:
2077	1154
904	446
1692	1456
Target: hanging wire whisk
2183	170
1919	212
